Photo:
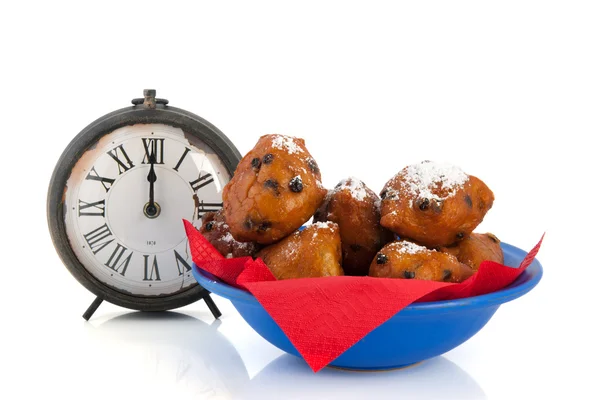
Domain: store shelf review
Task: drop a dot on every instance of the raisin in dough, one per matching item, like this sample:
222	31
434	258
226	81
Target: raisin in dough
475	248
407	260
312	252
434	204
275	189
355	208
216	231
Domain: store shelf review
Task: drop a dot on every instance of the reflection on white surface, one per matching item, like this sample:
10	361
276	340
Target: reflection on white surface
433	379
173	350
184	357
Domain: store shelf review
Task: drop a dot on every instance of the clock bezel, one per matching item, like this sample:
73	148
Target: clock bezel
191	124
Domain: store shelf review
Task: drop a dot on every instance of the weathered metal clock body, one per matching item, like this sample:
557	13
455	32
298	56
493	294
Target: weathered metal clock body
119	193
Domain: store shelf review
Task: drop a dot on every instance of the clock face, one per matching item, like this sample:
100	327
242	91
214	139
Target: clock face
124	235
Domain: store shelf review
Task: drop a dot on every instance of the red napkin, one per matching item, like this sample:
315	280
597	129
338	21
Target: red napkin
323	317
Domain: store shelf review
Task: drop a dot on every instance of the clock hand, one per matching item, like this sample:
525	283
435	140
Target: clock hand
151	209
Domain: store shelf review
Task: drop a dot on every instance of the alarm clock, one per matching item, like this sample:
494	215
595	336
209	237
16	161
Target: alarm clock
119	194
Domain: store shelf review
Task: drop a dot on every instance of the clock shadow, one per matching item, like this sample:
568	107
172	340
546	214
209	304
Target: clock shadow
186	350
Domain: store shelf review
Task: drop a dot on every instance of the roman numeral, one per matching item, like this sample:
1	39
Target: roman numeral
179	259
151	271
95	238
156	145
97	208
93	176
203	208
115	257
114	153
202	181
181	159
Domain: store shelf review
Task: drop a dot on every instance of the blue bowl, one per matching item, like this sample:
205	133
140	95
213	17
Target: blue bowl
418	332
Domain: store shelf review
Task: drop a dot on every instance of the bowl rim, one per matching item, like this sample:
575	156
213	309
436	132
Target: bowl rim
523	284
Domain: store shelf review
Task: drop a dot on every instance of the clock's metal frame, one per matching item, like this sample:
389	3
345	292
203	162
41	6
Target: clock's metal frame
144	111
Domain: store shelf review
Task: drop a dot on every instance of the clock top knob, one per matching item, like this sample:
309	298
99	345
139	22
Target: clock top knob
149	100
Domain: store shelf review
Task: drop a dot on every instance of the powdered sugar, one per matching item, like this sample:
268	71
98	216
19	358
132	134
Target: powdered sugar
323	225
228	238
404	247
378	204
355	186
420	180
287	143
391	194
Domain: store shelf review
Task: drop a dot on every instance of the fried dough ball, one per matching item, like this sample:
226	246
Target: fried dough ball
275	189
312	252
407	260
475	248
216	231
434	204
355	208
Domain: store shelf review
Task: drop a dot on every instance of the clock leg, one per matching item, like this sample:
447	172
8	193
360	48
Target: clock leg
94	306
211	305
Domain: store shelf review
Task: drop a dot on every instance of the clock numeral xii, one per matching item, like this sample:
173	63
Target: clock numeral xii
156	146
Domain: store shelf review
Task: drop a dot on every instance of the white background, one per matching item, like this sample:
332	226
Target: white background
509	91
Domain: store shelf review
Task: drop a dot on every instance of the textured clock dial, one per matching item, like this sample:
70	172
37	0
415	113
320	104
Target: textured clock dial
105	199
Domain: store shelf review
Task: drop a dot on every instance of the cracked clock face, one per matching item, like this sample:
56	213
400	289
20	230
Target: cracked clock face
111	224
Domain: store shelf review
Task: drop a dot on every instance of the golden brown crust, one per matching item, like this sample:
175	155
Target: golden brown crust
313	252
406	260
355	208
216	231
477	247
434	215
275	189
